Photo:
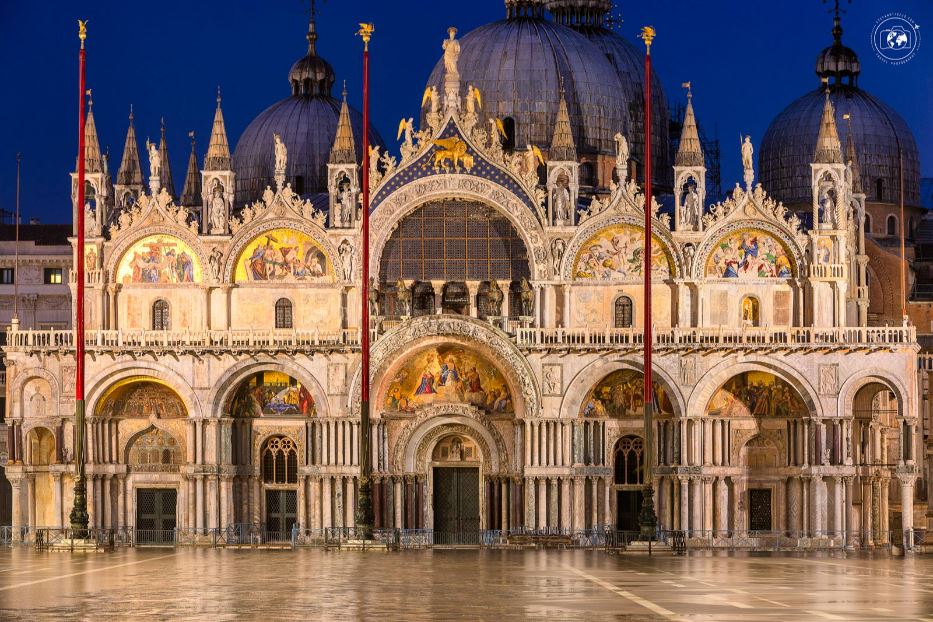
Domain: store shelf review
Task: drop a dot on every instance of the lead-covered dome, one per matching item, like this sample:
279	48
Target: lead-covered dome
878	132
518	64
307	122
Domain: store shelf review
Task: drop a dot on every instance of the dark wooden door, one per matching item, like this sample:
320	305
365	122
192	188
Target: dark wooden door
156	515
456	505
281	513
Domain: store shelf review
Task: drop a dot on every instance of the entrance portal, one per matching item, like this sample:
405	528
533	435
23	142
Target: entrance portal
281	513
456	505
155	515
628	503
759	509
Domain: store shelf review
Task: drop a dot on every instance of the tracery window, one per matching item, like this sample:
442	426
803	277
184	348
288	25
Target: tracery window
161	315
280	461
283	313
623	312
629	460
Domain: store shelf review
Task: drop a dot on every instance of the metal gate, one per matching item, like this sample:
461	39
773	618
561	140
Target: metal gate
281	514
759	509
155	515
456	505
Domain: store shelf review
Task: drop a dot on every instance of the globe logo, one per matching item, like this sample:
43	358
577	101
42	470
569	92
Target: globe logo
895	38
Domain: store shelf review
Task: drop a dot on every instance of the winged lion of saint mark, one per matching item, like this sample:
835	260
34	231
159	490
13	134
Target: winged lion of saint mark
454	150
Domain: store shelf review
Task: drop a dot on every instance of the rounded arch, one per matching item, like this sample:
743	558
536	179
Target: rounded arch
225	388
851	386
589	377
150	237
717	235
99	387
605	222
264	435
719	375
41	446
154	445
401	202
254	231
419	332
761	454
20	406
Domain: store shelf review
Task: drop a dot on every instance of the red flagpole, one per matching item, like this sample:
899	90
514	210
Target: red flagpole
364	514
647	518
79	516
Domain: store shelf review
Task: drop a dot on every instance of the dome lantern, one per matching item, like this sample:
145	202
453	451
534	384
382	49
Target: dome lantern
837	63
311	75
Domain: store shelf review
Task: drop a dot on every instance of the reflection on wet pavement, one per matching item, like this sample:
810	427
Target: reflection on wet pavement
216	584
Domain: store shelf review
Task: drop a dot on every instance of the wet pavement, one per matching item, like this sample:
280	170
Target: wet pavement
216	584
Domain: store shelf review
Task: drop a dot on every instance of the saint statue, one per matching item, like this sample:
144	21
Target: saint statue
692	207
155	158
558	246
346	204
621	152
281	153
826	207
747	152
562	202
451	51
218	211
214	262
345	251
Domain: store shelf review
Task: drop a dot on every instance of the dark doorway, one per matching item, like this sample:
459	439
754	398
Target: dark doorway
759	509
628	502
281	513
155	515
456	505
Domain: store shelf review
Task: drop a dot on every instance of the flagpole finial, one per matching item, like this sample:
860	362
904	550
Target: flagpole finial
82	31
687	86
648	34
366	32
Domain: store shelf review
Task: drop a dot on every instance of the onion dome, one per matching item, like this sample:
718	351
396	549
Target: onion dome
878	133
591	19
306	121
518	63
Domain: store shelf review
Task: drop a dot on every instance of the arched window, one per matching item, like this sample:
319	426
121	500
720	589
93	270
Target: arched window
751	311
629	460
161	315
280	461
623	312
879	189
587	174
508	142
867	223
910	228
892	225
283	313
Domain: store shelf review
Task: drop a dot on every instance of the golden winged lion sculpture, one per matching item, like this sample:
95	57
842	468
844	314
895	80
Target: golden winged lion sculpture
454	151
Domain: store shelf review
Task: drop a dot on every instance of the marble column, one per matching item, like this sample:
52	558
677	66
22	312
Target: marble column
565	509
552	503
579	503
707	503
907	507
838	509
684	502
722	506
794	503
696	506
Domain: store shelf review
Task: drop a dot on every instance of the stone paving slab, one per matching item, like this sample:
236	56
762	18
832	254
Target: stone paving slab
312	584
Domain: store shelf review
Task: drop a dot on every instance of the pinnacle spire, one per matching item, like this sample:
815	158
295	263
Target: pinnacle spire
690	150
852	159
218	150
828	148
166	174
343	151
191	194
562	145
312	32
92	157
130	173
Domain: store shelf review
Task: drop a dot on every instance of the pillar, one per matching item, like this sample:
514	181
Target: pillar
907	507
565	521
794	502
849	513
838	509
696	506
579	508
722	506
707	503
684	502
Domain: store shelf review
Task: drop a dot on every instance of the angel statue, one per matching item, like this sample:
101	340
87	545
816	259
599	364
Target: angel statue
430	94
532	157
496	130
451	51
406	127
155	158
474	100
281	152
621	152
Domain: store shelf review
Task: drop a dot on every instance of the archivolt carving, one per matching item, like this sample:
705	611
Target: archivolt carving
405	200
514	365
262	433
247	234
718	232
440	411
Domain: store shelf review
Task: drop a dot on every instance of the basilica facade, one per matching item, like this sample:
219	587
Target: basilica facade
506	312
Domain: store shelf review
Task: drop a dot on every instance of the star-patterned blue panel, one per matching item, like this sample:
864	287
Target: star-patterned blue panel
424	167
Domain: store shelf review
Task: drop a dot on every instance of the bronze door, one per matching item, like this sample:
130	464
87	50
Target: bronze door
759	509
281	513
456	505
628	504
155	515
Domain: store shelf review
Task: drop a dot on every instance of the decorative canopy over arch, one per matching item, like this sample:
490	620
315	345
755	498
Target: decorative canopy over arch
154	448
446	373
621	394
283	255
617	253
756	394
749	253
159	259
141	397
271	393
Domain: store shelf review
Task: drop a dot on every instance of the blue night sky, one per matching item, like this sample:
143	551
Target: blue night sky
746	59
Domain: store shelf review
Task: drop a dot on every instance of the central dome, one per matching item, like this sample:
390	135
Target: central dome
518	65
307	122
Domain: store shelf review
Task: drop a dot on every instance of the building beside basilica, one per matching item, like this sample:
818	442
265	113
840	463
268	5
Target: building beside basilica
507	249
